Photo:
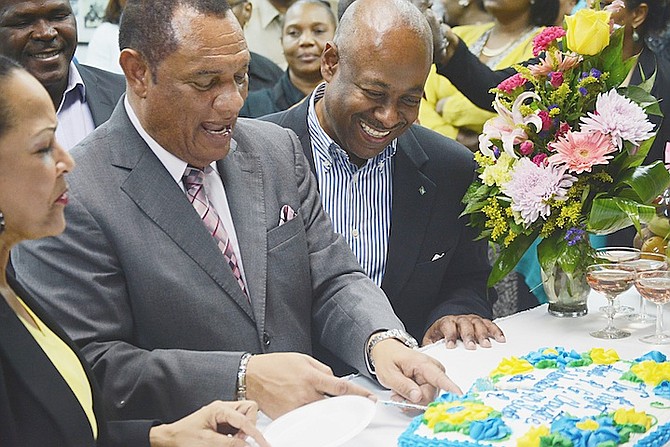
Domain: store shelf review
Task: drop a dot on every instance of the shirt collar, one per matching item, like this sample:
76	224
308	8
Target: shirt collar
75	86
174	165
267	12
334	151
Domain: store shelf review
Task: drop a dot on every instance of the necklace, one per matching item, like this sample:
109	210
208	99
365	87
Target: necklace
488	52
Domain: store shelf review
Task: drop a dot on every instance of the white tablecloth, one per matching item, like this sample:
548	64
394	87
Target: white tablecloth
525	331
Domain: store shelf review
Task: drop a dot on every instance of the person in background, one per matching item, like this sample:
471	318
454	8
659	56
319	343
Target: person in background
308	24
42	36
263	31
103	48
391	188
461	12
263	73
499	44
197	263
48	395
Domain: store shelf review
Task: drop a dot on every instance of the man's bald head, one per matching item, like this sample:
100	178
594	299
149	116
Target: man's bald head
370	24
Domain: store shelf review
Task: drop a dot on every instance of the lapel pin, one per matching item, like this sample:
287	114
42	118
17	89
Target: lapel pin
422	190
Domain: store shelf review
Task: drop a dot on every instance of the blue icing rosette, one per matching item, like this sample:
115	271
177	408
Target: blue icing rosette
655	356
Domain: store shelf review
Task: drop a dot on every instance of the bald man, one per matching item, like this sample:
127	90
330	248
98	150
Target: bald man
394	189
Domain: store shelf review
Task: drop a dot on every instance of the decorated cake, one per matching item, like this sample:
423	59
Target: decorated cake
555	397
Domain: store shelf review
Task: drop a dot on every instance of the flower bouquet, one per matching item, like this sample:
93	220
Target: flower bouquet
563	157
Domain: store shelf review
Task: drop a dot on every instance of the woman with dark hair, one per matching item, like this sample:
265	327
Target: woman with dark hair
307	26
48	395
498	44
103	49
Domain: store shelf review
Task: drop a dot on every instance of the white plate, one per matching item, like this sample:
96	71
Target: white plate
325	423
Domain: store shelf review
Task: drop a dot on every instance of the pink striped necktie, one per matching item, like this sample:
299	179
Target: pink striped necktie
195	190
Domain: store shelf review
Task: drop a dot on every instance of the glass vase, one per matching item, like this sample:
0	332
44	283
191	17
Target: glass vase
566	292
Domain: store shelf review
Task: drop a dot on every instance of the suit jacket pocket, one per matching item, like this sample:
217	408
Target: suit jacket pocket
283	233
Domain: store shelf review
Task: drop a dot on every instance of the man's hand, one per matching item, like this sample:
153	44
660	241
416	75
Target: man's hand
219	424
281	382
411	374
472	329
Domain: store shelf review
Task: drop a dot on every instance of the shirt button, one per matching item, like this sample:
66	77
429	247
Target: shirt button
266	339
354	232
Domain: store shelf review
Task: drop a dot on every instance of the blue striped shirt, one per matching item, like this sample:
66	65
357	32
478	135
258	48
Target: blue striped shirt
358	200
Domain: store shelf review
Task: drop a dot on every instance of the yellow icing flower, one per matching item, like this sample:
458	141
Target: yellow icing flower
588	424
602	356
588	31
456	413
623	416
512	366
532	438
550	351
652	373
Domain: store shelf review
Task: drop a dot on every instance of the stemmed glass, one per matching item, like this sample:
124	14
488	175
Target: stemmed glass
655	287
611	280
617	255
648	262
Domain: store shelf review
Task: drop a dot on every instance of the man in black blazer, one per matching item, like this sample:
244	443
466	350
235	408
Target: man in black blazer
42	36
435	273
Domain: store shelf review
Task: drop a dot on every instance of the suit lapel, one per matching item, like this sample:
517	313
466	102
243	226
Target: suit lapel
413	198
99	103
243	180
39	376
154	191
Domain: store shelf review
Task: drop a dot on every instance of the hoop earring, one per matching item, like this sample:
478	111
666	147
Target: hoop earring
2	222
635	36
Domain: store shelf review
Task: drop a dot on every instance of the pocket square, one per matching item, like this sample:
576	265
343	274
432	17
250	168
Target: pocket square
286	214
437	256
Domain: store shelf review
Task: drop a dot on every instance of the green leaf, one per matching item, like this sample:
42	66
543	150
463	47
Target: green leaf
648	181
510	257
646	100
610	214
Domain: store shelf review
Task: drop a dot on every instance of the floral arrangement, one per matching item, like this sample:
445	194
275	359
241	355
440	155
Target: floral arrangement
563	157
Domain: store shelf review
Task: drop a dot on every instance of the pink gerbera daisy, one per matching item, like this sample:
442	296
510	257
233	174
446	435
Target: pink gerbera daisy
580	151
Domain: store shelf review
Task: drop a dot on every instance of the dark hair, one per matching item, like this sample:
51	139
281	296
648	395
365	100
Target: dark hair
113	12
7	66
321	3
342	6
657	16
544	12
146	26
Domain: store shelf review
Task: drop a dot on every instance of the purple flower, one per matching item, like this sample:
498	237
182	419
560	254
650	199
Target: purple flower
583	91
575	235
595	73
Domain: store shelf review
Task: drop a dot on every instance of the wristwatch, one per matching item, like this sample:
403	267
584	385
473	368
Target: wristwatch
400	335
242	377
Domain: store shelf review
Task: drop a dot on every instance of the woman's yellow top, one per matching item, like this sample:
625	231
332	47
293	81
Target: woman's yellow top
458	111
66	362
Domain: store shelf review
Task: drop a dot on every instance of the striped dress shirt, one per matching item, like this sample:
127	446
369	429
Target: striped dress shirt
358	200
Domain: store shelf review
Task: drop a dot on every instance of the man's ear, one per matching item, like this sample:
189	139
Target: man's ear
330	58
137	71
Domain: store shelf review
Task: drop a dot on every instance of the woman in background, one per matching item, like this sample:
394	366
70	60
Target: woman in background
48	395
308	25
499	44
103	49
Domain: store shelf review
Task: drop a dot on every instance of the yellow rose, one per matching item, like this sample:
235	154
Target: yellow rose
588	31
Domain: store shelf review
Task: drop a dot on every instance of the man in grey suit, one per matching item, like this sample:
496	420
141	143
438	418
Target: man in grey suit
170	317
42	36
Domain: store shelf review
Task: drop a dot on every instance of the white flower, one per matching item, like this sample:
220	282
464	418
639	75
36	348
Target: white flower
532	186
620	118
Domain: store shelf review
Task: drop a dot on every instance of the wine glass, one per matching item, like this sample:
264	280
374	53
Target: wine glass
616	255
655	287
611	280
648	262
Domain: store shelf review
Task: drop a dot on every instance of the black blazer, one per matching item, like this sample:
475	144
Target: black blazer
434	267
270	100
103	90
37	407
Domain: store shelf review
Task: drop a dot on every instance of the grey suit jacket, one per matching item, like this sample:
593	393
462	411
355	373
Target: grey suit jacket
103	90
141	286
434	267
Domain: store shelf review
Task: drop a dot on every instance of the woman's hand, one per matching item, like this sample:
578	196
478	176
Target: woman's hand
222	424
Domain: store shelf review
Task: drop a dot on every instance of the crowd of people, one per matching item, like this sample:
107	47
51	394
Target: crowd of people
169	269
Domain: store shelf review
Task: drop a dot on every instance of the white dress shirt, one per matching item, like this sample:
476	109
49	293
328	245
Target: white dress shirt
74	116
